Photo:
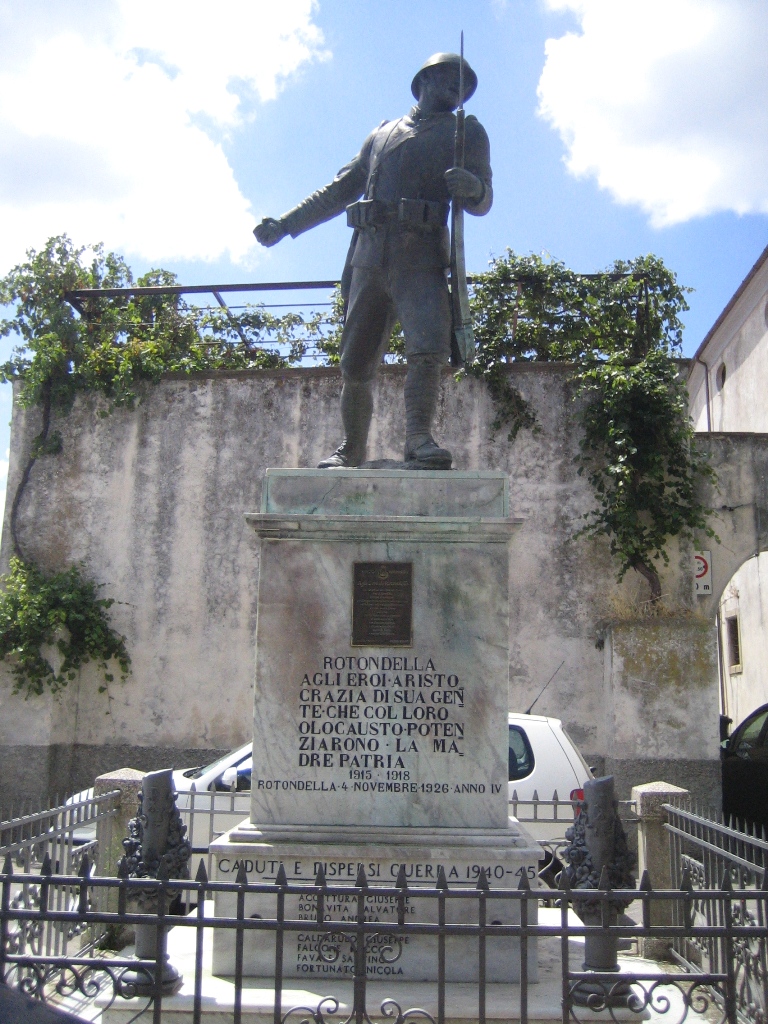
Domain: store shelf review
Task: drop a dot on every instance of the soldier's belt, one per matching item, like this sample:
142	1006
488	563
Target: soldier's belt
416	213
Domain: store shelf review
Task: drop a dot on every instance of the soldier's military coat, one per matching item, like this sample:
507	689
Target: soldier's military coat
398	268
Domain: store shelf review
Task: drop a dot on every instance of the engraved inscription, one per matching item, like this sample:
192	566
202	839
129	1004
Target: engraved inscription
388	724
326	950
382	604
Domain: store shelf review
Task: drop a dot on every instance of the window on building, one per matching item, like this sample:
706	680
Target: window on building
733	643
720	376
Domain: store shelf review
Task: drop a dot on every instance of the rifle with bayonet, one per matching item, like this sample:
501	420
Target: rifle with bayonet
463	341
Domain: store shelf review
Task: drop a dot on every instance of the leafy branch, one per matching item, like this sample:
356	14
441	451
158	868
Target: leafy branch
119	342
622	330
61	610
639	457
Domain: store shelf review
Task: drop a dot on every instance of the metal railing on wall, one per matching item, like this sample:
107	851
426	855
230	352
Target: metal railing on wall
304	341
300	340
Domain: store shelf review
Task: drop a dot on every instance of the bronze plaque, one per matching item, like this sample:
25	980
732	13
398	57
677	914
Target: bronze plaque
382	604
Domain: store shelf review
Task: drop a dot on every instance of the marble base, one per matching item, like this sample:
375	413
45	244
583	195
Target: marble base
506	854
383	726
385	492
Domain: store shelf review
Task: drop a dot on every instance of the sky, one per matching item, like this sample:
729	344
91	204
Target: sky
167	129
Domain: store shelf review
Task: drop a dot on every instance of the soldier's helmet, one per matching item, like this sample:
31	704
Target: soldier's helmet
470	78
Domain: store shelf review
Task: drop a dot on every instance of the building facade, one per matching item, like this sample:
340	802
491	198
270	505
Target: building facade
728	387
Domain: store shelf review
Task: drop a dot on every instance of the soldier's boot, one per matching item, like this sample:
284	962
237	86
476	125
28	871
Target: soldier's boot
422	387
356	412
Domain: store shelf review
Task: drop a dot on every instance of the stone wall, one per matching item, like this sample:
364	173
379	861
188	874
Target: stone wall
152	501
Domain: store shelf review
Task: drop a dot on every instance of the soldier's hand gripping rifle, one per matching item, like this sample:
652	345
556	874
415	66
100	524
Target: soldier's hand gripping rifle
463	342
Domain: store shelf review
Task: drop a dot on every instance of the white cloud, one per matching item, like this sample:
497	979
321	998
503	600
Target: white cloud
111	128
664	102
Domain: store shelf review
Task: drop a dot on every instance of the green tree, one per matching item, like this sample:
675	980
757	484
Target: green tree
114	345
120	341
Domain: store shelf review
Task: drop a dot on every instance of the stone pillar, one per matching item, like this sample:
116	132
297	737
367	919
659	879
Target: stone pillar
598	858
653	854
111	831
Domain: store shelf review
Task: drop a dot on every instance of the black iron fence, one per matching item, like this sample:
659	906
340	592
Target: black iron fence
704	853
59	830
291	324
56	914
292	329
63	837
347	954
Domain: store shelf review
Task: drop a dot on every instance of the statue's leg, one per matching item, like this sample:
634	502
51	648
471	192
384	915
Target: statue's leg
422	389
369	322
423	306
356	412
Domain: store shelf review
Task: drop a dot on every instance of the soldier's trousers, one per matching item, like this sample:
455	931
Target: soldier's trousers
379	296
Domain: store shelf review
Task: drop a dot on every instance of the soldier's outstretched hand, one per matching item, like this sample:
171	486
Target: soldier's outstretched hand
270	231
462	184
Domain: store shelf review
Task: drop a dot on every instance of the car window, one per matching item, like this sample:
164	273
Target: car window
244	770
520	754
749	734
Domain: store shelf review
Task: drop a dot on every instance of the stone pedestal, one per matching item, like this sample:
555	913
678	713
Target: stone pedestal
341	851
653	855
502	1001
380	710
110	832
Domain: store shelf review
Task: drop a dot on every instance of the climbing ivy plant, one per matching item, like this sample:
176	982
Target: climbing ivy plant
122	341
62	612
119	344
622	332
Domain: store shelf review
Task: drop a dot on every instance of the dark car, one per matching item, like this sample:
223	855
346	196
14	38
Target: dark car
745	769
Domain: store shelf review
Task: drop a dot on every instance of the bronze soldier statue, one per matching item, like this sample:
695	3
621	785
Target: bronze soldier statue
397	261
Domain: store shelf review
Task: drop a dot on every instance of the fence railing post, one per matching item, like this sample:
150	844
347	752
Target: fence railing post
654	856
110	833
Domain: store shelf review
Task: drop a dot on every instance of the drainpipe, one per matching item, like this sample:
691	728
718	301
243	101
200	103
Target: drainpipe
718	620
698	359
